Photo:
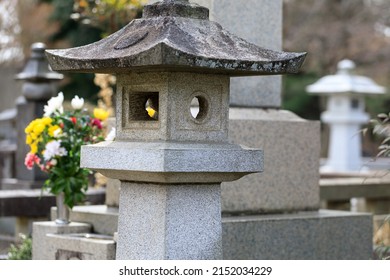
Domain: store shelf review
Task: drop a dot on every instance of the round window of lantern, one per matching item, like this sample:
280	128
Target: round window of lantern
199	107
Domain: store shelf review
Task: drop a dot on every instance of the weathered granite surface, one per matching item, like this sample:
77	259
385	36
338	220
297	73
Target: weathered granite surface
172	162
174	42
169	222
290	180
319	235
172	94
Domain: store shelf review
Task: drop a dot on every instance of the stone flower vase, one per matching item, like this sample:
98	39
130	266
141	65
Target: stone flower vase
62	210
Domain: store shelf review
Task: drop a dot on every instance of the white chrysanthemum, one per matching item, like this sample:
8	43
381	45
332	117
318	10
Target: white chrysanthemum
54	149
77	103
54	104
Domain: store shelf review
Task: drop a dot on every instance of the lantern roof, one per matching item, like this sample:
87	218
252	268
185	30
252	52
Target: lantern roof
175	35
345	82
37	68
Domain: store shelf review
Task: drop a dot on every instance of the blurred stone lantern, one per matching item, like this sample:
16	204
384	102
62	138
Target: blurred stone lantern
39	85
345	113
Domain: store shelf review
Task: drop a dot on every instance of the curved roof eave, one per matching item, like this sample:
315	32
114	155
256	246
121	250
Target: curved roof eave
175	42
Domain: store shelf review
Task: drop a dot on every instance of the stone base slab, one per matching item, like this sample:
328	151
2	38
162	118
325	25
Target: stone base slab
318	235
44	250
82	246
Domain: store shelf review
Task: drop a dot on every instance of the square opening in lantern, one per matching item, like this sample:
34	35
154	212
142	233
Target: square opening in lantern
142	106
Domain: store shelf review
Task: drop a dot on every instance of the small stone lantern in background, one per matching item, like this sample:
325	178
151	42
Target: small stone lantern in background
345	114
171	166
39	85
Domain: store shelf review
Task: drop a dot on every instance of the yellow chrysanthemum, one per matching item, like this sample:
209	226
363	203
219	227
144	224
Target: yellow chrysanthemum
30	127
39	128
46	121
100	114
28	139
34	148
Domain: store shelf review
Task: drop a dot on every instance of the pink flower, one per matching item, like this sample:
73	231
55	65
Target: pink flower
30	160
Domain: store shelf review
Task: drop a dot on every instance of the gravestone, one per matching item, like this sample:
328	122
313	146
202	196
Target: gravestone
259	22
286	137
282	202
171	166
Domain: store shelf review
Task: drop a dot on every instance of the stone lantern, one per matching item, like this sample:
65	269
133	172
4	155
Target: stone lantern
345	114
171	166
39	85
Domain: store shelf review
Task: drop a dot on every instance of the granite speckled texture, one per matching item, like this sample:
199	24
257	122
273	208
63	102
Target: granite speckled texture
172	162
169	222
290	180
319	235
41	248
174	93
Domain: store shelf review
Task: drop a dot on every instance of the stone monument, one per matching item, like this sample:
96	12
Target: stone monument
275	214
345	115
171	167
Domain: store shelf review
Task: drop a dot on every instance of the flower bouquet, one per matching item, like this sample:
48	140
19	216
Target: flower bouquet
55	141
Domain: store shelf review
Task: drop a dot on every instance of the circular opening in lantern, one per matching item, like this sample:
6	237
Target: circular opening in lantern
199	108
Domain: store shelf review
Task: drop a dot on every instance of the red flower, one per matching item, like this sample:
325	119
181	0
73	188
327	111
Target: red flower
62	125
97	123
30	160
73	119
